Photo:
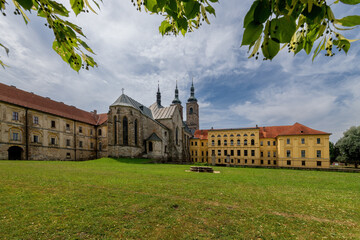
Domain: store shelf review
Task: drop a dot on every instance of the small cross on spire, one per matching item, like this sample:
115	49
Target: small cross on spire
122	90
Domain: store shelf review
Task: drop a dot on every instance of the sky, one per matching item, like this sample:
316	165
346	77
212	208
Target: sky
232	90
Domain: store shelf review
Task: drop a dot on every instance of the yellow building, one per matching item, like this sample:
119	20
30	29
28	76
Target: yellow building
282	146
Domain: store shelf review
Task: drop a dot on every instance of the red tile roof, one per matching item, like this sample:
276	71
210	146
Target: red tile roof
201	134
296	129
10	94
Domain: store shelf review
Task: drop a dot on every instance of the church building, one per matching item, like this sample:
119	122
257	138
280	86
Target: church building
38	128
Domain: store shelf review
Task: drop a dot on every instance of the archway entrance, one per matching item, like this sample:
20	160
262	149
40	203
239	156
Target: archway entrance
15	153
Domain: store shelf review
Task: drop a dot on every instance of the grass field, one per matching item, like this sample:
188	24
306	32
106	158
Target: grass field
131	199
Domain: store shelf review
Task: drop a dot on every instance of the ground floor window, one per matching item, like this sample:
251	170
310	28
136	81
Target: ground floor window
253	161
318	163
238	160
288	162
302	163
274	162
68	155
269	162
262	161
245	160
219	160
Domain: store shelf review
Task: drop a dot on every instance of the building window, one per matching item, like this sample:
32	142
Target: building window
225	142
212	152
91	132
245	160
318	163
288	162
318	140
261	143
67	127
225	152
202	144
68	142
192	153
192	143
15	136
253	153
99	132
268	143
252	142
238	160
269	162
53	125
302	163
288	141
219	160
274	162
36	138
212	142
318	153
52	141
80	129
225	135
219	142
219	152
150	146
232	142
303	141
68	155
15	116
202	153
136	132
232	152
253	161
195	153
80	144
245	135
238	142
288	153
261	154
245	152
195	143
261	161
36	120
274	154
191	110
239	152
274	143
232	160
245	141
302	153
125	133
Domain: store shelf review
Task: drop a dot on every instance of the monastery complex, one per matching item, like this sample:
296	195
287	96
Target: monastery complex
38	128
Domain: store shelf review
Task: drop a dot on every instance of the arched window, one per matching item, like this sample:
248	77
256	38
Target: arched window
231	135
225	135
191	110
245	135
115	130
245	142
238	135
212	135
219	142
212	142
177	136
218	136
136	132
225	142
238	142
231	142
252	135
252	142
99	132
125	132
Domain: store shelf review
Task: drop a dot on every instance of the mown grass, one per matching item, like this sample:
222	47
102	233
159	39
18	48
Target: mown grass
133	199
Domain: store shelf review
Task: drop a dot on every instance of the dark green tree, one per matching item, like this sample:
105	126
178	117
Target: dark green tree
334	152
349	145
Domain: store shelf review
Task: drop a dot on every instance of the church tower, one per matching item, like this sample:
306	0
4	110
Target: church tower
177	101
158	97
192	111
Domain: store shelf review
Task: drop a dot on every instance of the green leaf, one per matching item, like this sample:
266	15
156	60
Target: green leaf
164	27
350	2
270	48
77	6
251	33
349	21
6	49
191	9
210	10
262	11
151	5
59	8
282	29
250	14
256	47
85	46
26	4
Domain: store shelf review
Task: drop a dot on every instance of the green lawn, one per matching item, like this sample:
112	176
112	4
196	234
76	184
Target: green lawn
132	199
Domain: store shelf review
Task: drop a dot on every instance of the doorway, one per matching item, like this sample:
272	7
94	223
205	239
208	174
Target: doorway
15	153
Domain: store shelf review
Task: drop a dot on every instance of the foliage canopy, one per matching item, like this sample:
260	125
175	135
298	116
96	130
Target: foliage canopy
269	25
349	145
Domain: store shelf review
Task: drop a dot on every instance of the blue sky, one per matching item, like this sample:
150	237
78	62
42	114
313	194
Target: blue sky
232	90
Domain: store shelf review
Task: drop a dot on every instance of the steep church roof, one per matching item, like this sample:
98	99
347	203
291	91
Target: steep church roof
162	112
127	101
154	137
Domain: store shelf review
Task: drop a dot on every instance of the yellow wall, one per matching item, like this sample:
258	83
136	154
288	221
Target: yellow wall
268	150
199	150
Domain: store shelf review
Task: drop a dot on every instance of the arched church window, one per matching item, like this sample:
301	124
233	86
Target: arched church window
191	110
177	136
115	130
125	132
136	132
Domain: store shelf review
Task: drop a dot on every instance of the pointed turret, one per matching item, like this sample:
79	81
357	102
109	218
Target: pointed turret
176	99
158	96
192	93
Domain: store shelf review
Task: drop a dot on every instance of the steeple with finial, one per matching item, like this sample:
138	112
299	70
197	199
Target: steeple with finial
192	93
158	96
176	99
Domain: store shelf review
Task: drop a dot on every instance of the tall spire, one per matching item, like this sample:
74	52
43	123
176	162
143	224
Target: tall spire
176	99
192	93
158	96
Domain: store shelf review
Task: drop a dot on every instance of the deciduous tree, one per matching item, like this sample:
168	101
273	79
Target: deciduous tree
349	145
